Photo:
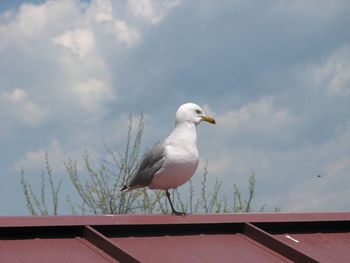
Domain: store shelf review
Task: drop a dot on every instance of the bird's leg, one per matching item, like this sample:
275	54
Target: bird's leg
174	212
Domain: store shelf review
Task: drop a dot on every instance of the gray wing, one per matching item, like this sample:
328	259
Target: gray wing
151	163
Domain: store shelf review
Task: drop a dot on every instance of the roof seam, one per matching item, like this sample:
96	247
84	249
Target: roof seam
276	245
102	242
91	246
263	247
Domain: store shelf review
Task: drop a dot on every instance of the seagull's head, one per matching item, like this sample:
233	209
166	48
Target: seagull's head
191	112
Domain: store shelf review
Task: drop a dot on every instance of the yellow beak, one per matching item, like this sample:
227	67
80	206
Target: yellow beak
208	119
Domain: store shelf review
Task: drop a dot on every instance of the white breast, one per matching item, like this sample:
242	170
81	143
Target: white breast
179	166
181	158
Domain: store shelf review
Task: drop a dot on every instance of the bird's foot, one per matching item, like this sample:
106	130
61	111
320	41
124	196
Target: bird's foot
176	213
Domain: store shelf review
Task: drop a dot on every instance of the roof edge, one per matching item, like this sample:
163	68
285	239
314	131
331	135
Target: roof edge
134	219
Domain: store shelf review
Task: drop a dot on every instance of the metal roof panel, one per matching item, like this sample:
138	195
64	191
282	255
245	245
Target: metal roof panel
327	247
198	248
60	250
278	237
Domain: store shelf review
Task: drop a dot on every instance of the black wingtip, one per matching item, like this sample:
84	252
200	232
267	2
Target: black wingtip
123	188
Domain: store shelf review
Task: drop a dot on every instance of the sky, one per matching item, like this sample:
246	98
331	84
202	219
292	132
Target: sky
274	74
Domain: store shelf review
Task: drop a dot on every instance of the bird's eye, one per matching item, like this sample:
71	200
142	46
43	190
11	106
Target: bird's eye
198	112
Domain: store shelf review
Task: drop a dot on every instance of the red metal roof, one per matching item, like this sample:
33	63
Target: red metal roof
278	237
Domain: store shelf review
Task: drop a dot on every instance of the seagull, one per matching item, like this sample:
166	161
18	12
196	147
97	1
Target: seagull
173	162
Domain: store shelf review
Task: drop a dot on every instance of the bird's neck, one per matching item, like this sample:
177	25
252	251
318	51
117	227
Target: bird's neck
185	134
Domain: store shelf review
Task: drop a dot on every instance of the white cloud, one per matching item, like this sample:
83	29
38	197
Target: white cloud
126	34
32	19
80	41
244	139
221	163
101	11
94	93
65	49
341	166
289	177
57	46
34	22
297	173
57	155
34	160
329	192
16	106
256	117
152	11
334	74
